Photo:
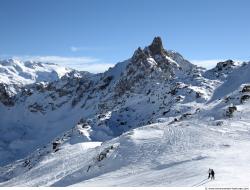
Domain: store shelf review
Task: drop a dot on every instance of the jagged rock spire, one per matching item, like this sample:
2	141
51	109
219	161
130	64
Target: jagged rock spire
156	47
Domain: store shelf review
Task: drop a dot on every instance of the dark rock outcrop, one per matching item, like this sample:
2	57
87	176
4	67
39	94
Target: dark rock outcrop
156	48
244	98
5	96
230	111
225	65
246	88
138	55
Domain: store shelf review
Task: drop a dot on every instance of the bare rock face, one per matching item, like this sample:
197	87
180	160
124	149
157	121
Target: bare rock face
230	111
5	96
244	98
225	65
156	48
246	88
139	54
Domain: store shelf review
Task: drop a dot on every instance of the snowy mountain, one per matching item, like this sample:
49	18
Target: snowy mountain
13	71
152	120
15	74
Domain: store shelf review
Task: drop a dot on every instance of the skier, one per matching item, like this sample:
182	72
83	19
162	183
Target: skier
209	173
212	174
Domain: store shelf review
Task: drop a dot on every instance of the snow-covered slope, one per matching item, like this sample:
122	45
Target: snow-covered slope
154	119
16	75
161	154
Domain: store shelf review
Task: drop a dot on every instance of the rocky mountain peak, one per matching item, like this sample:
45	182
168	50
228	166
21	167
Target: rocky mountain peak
156	47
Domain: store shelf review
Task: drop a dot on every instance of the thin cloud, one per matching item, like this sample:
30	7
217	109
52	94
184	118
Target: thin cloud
75	49
89	64
208	64
82	48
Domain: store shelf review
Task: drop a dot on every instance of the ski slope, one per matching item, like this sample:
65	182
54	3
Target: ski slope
161	154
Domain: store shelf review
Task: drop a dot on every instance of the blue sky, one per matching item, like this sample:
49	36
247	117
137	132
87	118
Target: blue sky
105	32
